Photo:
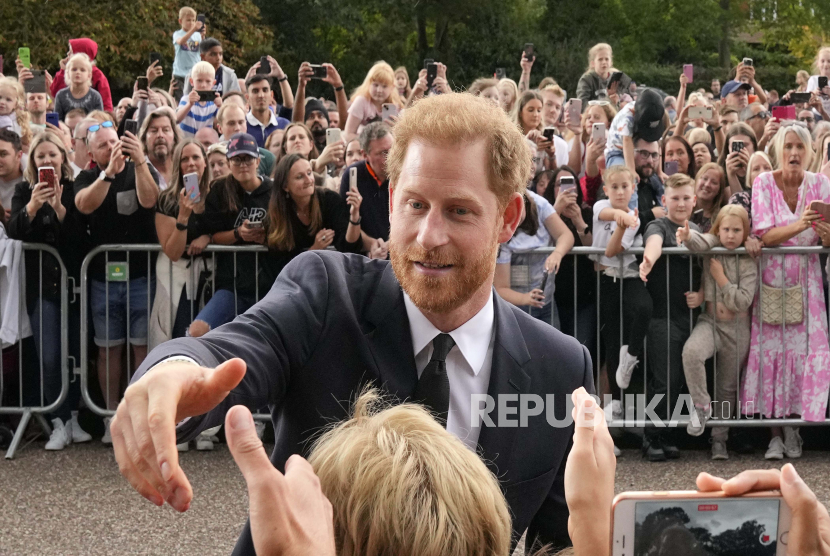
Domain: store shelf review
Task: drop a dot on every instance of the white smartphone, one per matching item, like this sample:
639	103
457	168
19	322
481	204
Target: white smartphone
700	112
701	522
566	183
389	110
598	132
191	187
333	135
575	109
353	178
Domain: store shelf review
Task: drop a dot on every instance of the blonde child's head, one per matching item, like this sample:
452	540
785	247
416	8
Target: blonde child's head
600	58
679	198
79	69
731	226
203	76
13	101
618	186
379	85
187	17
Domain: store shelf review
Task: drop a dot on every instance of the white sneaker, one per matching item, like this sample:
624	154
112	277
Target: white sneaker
183	447
78	434
107	438
60	437
792	442
776	449
260	428
626	367
700	416
204	443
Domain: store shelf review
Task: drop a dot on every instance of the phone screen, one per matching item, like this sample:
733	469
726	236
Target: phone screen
689	71
141	83
529	51
566	184
727	527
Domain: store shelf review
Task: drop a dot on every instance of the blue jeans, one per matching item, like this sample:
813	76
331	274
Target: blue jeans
221	308
109	311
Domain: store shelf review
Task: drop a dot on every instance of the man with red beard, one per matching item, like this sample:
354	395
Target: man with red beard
427	326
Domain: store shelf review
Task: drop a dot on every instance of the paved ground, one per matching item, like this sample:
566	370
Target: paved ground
75	501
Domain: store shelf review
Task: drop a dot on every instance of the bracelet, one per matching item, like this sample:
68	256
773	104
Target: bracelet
283	78
340	88
356	223
717	128
181	227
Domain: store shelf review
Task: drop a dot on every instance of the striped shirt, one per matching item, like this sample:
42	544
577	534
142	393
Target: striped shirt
201	114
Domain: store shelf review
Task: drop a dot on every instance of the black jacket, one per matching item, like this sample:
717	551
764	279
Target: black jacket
334	322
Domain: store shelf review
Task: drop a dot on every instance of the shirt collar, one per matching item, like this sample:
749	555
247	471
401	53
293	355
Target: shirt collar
472	337
253	121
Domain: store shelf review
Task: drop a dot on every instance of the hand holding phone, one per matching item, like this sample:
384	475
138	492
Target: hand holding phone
548	133
500	74
389	111
46	174
575	109
319	71
53	118
432	73
566	183
529	52
598	132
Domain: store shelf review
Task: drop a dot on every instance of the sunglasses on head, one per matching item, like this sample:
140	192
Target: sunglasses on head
598	103
97	127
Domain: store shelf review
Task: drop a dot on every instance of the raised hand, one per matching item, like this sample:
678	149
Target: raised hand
683	233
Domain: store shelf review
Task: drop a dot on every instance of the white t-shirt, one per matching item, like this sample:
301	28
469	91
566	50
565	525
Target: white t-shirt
602	231
622	126
812	85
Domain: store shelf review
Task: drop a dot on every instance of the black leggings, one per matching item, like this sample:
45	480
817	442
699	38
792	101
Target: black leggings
636	315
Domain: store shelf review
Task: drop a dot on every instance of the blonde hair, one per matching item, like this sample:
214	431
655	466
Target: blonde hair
679	180
100	116
803	135
718	201
47	137
749	177
82	59
202	68
458	118
482	84
401	70
818	55
513	87
614	171
382	73
731	210
19	107
697	97
399	483
169	198
554	89
698	135
186	10
592	53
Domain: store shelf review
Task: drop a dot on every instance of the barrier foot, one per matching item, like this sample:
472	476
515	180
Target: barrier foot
18	434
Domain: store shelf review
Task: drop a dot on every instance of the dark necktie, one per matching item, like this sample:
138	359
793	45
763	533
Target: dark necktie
433	389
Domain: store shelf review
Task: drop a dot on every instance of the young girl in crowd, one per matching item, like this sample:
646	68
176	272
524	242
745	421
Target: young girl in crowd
595	78
593	151
13	113
821	66
508	94
723	329
528	116
402	82
709	189
80	93
758	164
367	101
486	87
739	145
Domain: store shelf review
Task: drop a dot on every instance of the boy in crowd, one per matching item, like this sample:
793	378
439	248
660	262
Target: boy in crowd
186	45
194	114
617	228
673	297
80	93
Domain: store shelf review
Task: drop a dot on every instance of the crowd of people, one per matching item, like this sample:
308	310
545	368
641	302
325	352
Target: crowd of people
254	163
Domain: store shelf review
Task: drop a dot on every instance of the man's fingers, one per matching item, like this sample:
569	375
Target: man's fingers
805	512
139	445
766	479
246	448
709	483
128	470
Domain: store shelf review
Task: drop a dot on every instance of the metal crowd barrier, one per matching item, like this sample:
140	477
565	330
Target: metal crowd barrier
142	254
38	410
754	420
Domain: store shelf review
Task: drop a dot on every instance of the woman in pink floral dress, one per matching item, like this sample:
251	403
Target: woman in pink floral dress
788	375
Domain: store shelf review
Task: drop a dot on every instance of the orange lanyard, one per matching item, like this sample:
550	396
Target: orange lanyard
372	172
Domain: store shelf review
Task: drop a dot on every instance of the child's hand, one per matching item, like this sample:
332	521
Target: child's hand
716	269
193	97
694	299
632	219
620	218
683	234
218	100
645	268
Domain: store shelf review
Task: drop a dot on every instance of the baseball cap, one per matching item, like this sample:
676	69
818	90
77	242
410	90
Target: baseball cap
648	116
732	86
242	144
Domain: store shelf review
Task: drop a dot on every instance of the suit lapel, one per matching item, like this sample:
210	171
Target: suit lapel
390	339
510	354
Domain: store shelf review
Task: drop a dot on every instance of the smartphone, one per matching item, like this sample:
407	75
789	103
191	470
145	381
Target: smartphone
544	280
566	183
207	96
500	74
25	56
649	522
319	72
783	112
737	146
689	71
264	65
432	73
156	57
747	62
616	77
333	135
700	113
549	132
131	126
598	132
353	178
200	18
800	98
822	82
257	224
141	83
191	186
53	118
389	110
46	174
37	84
427	62
529	53
820	207
575	109
670	167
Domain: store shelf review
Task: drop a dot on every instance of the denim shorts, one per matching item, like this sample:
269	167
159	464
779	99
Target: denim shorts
221	308
113	332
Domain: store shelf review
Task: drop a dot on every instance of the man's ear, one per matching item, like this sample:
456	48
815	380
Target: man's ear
511	217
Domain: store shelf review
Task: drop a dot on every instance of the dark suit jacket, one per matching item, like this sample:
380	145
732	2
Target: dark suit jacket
334	322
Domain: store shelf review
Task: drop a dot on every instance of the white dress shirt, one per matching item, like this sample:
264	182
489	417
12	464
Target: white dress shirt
468	363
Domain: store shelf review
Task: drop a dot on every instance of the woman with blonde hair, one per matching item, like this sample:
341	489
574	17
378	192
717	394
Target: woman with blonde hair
486	87
377	89
508	95
801	79
528	117
710	185
595	78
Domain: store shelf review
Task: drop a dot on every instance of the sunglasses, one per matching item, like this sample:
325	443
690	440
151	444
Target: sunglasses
97	127
598	103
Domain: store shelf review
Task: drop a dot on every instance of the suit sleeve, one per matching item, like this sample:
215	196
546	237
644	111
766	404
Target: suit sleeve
550	524
276	336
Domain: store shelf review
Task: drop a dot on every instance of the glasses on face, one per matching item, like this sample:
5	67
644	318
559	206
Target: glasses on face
763	114
242	161
648	154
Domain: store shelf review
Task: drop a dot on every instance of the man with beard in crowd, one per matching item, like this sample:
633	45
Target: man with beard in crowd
159	137
646	160
317	120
